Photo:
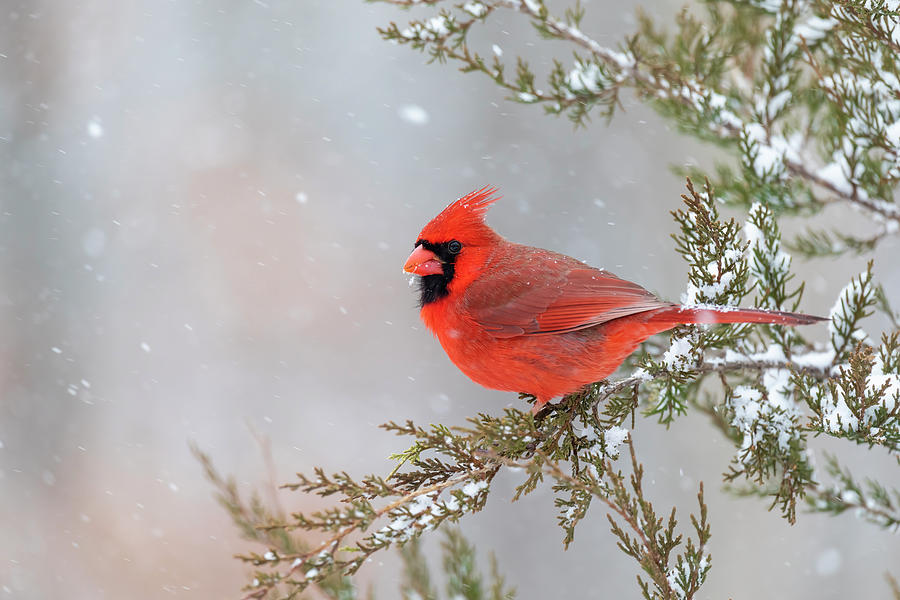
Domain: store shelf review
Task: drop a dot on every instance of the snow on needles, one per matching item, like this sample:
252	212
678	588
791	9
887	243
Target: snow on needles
837	416
814	28
614	437
771	415
473	488
842	313
432	29
420	514
586	77
767	261
682	572
770	151
769	249
476	9
712	293
680	354
423	511
757	418
889	382
876	112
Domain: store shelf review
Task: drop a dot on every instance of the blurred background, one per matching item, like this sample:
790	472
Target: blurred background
204	211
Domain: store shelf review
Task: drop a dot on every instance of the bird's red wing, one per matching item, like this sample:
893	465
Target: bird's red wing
590	297
552	294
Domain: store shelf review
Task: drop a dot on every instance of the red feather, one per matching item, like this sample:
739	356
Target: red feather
524	319
536	292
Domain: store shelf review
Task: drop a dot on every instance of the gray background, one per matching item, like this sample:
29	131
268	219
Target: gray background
205	208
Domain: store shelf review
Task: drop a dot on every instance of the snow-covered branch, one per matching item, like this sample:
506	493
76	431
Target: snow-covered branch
777	122
806	95
710	365
410	514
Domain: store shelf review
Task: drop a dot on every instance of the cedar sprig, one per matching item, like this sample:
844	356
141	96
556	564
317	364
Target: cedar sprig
861	404
855	302
803	97
868	499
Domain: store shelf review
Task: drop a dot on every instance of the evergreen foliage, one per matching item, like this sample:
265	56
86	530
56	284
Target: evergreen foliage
803	97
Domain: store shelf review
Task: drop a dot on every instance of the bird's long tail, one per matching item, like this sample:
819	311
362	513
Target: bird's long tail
675	315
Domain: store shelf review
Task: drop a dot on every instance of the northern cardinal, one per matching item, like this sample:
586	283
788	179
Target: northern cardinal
523	319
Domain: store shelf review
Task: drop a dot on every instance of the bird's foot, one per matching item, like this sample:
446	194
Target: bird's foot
537	406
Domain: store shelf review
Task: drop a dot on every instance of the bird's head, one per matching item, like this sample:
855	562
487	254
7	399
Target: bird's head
452	241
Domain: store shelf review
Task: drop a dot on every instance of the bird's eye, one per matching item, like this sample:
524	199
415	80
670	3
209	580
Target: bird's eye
454	247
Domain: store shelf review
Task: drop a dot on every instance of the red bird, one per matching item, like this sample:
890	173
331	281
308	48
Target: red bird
524	319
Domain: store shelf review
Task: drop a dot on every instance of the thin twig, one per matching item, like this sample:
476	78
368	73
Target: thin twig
334	541
708	366
552	468
629	67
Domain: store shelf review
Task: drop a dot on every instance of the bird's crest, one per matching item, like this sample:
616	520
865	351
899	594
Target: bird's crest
462	217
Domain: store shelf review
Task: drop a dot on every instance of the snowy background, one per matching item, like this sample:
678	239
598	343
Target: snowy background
204	211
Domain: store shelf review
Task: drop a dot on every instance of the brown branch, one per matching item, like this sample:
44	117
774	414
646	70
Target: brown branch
866	21
552	468
332	543
863	507
558	473
630	67
614	60
713	366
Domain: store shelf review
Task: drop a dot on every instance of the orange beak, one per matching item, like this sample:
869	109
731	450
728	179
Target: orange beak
423	262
